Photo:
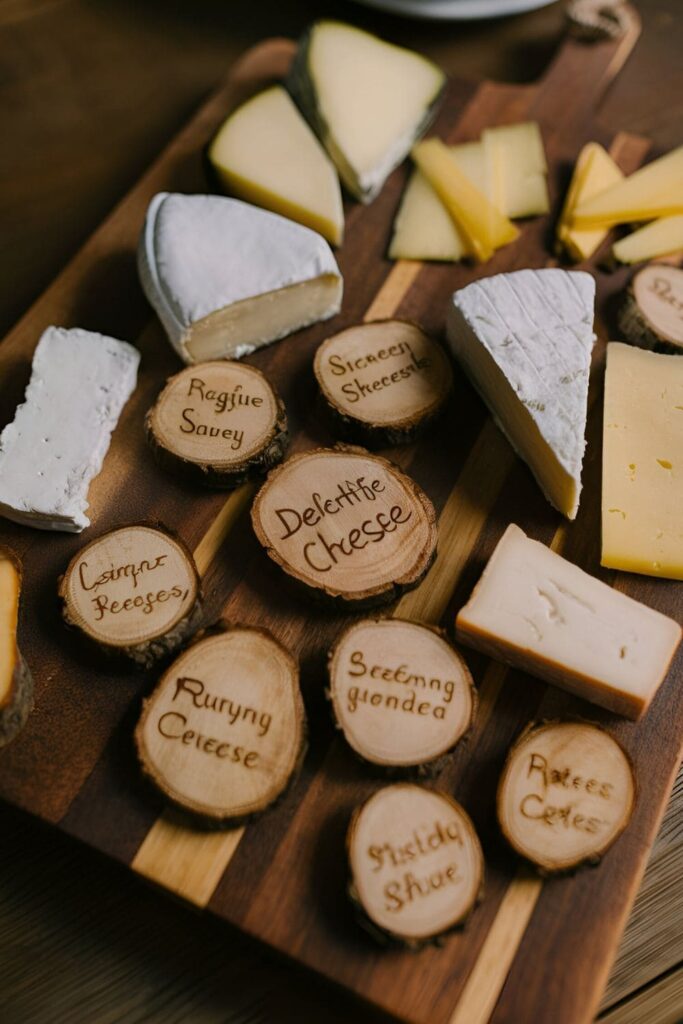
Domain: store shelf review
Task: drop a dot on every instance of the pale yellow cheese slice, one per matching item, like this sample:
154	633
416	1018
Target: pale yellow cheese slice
655	190
266	154
595	171
517	169
659	238
642	468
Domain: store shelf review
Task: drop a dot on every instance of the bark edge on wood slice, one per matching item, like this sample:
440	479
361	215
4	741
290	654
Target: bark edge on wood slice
208	737
651	315
357	530
566	793
383	382
218	423
134	591
417	868
16	683
402	695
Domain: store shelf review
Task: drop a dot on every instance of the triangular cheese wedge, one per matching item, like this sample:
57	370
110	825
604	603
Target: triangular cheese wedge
594	171
655	190
266	153
525	339
226	278
658	238
367	100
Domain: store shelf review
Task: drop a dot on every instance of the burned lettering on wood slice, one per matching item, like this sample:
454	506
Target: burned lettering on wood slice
134	591
651	315
383	381
218	424
224	732
402	695
417	869
566	793
16	684
349	525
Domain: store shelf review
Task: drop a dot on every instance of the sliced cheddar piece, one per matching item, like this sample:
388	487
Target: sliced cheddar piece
595	171
659	238
517	169
655	190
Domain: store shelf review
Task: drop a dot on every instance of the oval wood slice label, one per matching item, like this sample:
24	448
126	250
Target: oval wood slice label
224	731
416	864
567	791
385	376
402	695
16	685
346	523
134	590
220	422
653	312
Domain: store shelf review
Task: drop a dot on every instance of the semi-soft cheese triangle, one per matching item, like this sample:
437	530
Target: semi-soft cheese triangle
525	340
226	278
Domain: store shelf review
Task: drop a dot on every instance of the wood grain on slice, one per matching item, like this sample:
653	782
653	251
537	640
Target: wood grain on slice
416	865
348	524
383	381
652	313
224	733
134	591
16	684
402	695
218	423
566	793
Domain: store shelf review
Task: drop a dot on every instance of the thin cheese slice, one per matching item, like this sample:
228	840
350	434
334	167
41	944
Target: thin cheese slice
595	171
536	611
642	467
525	339
655	190
266	154
517	169
659	238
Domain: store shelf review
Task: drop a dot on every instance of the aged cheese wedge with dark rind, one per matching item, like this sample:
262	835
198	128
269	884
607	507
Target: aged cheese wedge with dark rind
417	868
224	733
401	694
651	315
383	381
349	525
218	424
134	591
16	684
566	793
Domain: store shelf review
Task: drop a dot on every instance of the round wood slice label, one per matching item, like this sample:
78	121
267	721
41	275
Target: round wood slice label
658	292
223	733
566	793
346	523
402	694
386	373
218	415
416	863
130	586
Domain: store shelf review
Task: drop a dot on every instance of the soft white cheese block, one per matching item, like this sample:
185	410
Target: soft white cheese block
534	610
226	278
525	340
80	382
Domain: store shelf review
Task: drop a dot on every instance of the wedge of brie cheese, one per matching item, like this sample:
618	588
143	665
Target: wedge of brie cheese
226	278
525	339
80	382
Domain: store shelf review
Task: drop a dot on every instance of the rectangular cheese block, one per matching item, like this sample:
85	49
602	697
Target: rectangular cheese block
659	238
535	611
56	444
642	462
517	169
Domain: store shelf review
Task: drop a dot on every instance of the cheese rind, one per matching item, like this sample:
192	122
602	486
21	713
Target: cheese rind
80	382
535	611
525	339
659	238
655	190
594	171
642	467
226	278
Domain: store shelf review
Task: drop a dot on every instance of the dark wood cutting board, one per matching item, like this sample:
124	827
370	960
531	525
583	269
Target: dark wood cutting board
533	951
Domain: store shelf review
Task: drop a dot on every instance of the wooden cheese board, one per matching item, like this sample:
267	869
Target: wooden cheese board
533	950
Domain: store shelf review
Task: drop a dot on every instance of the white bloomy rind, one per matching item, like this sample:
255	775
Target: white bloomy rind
56	444
199	255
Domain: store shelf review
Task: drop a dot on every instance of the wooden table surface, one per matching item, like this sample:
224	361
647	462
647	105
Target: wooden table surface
89	93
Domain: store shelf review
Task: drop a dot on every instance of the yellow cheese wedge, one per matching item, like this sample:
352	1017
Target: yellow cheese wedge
642	467
595	171
483	228
266	154
655	190
471	159
517	169
659	238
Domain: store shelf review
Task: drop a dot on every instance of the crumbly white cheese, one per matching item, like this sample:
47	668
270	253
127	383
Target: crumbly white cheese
525	339
226	277
59	437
